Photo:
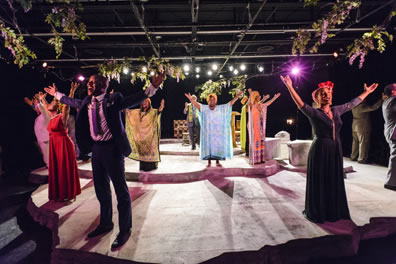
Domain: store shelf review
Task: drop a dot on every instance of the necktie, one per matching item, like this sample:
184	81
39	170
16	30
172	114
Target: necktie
96	123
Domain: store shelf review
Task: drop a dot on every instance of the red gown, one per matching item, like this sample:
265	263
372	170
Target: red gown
63	180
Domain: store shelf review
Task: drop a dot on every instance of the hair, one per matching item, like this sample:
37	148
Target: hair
149	102
194	96
101	81
389	88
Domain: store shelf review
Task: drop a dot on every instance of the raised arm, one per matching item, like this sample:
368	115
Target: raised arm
161	106
296	98
51	90
236	97
185	108
265	97
41	96
269	102
368	90
66	108
197	105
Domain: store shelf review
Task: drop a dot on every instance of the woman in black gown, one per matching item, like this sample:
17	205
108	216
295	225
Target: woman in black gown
325	198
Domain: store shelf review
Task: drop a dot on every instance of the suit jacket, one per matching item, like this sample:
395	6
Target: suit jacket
112	106
389	112
361	116
194	117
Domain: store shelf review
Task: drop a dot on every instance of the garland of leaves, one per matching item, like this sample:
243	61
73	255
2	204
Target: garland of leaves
216	87
16	45
360	47
339	13
65	18
112	69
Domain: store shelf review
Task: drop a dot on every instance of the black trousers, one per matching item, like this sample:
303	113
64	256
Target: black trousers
108	163
191	130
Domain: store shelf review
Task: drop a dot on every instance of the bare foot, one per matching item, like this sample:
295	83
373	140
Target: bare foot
209	164
218	164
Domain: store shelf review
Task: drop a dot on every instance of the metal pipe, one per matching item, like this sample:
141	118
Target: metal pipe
214	57
203	32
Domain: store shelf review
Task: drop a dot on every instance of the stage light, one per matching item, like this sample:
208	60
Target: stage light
231	68
125	70
81	78
144	69
221	76
214	67
335	54
295	70
235	72
187	73
132	73
260	68
210	73
242	67
45	65
197	76
152	73
197	69
186	67
289	121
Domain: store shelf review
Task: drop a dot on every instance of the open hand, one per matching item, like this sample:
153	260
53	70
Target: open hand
28	101
371	88
276	95
73	87
42	96
287	81
51	90
188	95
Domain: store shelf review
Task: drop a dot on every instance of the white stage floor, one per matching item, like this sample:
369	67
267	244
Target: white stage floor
196	221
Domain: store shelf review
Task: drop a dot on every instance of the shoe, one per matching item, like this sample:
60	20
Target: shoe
193	148
122	237
100	230
355	159
363	161
390	187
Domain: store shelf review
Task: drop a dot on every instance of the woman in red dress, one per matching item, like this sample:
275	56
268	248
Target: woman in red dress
63	180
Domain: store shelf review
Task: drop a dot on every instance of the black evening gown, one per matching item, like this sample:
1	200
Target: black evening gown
325	198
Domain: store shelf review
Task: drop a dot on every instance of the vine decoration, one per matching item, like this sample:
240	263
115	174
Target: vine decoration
339	13
112	69
361	47
16	45
217	87
65	18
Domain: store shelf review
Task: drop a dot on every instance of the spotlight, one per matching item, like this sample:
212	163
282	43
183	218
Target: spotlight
187	73
335	54
235	72
132	74
144	69
221	76
81	78
214	67
289	121
210	73
242	67
152	73
186	67
231	68
295	71
45	65
197	76
260	68
125	70
197	69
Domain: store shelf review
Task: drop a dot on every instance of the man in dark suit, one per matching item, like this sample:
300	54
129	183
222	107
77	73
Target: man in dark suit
99	126
192	121
389	112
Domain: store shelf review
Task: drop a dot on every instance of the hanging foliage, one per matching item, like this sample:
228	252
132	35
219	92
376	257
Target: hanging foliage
26	5
310	2
369	41
112	68
66	19
339	13
217	86
16	45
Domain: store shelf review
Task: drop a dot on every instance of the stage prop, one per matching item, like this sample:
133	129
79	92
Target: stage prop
298	152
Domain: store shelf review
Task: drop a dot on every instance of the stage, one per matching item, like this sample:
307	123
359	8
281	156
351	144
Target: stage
187	213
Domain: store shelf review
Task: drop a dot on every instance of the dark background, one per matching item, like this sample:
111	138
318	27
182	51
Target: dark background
20	153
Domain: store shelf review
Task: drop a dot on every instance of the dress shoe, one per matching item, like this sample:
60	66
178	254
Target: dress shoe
100	230
390	187
193	148
122	237
363	161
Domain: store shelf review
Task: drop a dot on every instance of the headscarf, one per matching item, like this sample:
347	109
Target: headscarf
208	97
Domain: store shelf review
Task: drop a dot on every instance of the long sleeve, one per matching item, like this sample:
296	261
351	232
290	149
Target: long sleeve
341	109
44	113
72	102
370	108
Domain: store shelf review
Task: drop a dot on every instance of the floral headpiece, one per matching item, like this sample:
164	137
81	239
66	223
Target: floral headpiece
328	84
